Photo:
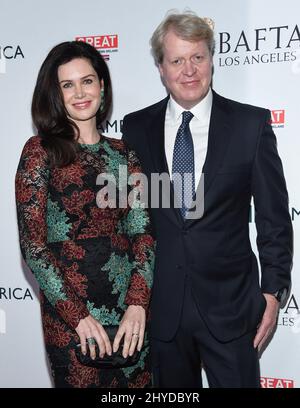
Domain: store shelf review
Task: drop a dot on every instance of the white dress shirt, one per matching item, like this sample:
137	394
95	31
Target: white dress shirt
199	126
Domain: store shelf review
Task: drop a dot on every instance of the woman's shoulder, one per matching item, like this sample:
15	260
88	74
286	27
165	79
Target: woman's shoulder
34	141
33	147
121	146
117	145
124	149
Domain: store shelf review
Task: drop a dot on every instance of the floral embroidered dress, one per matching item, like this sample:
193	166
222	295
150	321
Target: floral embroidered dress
86	259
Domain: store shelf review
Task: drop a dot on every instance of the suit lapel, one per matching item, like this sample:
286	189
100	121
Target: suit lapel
218	139
157	139
157	149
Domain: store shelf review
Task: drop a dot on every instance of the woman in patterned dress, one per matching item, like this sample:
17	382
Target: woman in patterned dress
94	265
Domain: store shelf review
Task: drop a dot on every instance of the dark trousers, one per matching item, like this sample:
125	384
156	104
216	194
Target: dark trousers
227	365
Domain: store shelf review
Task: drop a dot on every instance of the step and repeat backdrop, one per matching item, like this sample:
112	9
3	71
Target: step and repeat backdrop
257	61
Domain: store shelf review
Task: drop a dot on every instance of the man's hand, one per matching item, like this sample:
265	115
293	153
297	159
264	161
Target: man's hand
268	322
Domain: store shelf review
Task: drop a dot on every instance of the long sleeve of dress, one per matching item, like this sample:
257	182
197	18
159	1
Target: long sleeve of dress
32	180
138	228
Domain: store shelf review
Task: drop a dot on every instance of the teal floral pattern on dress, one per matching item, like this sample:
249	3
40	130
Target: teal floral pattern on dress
119	268
136	221
48	279
146	269
103	315
93	148
113	160
57	223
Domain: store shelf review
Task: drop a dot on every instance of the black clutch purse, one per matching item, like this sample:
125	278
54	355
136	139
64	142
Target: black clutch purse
116	360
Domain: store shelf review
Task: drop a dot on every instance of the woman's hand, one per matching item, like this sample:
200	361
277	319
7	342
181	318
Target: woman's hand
90	328
132	327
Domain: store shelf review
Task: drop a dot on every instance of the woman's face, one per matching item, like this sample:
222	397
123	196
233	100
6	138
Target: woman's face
81	89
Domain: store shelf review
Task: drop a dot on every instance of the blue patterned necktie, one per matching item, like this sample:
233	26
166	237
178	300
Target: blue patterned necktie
183	163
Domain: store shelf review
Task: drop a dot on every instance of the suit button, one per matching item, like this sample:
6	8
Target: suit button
184	231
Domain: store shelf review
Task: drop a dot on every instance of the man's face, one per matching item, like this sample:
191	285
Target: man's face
186	69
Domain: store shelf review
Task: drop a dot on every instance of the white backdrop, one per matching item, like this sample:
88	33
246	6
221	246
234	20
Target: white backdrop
257	61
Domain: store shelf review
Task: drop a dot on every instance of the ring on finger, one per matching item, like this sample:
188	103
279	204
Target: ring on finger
91	341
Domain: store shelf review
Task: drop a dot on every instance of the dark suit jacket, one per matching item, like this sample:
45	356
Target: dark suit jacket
214	252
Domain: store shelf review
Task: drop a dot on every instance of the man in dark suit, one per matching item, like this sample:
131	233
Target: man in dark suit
209	305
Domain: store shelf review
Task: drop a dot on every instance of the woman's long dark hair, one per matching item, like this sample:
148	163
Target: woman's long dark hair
59	133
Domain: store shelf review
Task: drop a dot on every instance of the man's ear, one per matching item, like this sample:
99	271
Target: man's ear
161	71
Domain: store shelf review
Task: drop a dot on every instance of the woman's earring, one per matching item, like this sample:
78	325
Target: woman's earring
102	100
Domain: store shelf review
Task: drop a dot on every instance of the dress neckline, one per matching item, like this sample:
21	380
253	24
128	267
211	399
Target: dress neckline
93	147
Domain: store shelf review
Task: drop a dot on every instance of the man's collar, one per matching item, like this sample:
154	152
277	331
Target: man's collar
201	111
